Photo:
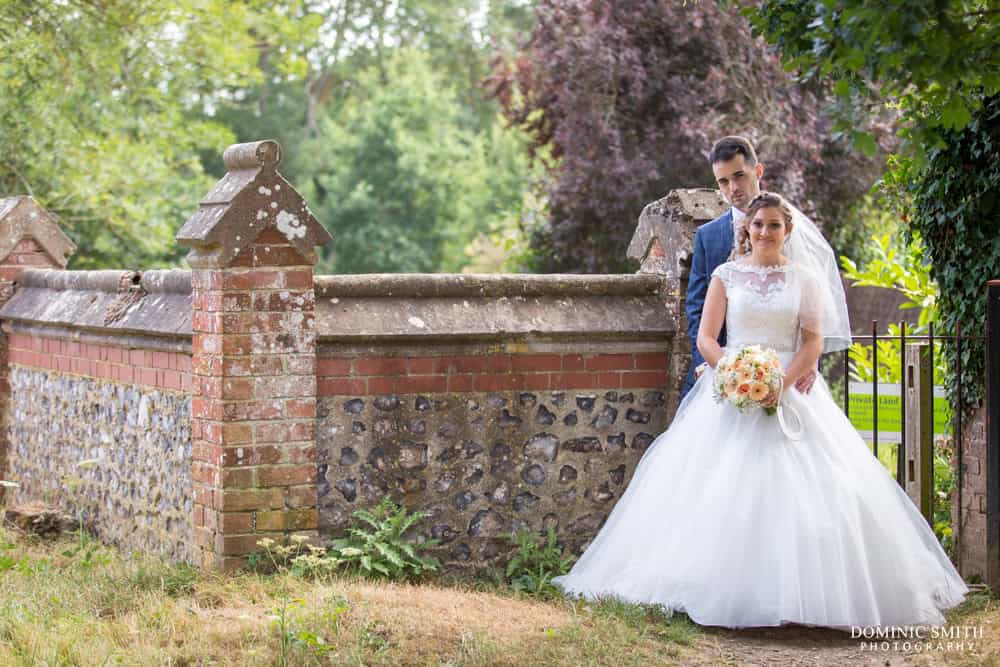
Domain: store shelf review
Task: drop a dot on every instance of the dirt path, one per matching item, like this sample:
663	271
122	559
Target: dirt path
815	647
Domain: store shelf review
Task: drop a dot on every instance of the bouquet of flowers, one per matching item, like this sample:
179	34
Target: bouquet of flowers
748	378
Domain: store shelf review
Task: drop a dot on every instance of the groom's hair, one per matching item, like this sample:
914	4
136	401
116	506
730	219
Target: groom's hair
727	148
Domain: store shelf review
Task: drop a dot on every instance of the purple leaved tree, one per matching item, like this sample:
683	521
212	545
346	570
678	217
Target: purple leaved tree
624	99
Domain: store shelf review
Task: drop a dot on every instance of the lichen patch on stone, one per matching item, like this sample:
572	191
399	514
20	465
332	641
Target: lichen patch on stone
290	225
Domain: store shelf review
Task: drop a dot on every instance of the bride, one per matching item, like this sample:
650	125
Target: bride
734	522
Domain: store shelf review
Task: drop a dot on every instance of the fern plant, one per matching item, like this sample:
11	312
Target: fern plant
374	545
535	562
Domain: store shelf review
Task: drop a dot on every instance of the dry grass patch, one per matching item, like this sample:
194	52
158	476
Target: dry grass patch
67	602
437	621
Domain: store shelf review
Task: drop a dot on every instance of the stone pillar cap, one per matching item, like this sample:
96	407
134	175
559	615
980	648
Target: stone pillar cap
22	217
663	239
250	198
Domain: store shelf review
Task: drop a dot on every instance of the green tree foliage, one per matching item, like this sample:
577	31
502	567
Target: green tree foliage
624	100
115	113
936	61
400	177
391	138
102	116
955	210
900	265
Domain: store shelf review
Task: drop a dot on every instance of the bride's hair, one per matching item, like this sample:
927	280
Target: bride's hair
763	200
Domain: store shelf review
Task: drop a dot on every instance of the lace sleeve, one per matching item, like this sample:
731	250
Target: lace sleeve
725	273
811	303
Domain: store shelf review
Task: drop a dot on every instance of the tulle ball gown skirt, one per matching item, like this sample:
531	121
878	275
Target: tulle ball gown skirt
729	521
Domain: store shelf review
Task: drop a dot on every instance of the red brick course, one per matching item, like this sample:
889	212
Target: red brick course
170	371
369	376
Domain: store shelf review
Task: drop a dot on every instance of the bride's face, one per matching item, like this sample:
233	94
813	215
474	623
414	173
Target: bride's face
768	231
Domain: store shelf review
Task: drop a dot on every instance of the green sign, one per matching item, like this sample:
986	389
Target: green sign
860	406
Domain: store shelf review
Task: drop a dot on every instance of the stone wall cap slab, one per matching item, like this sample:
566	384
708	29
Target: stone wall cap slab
113	301
22	217
173	281
108	280
252	154
485	284
487	318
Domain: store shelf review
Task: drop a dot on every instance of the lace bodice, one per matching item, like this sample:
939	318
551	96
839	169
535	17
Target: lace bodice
767	305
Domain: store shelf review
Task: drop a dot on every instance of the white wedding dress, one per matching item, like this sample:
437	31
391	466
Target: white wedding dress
728	520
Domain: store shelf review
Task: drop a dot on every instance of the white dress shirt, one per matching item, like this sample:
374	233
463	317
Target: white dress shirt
738	218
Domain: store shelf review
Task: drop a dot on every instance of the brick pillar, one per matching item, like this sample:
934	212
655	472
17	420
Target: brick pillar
969	510
662	244
253	359
29	238
976	505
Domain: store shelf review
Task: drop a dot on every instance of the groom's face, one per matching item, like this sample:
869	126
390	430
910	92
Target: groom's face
738	181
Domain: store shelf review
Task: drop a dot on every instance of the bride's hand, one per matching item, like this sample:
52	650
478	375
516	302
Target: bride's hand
804	384
771	401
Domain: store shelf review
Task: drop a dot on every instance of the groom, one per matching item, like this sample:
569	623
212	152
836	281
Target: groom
737	172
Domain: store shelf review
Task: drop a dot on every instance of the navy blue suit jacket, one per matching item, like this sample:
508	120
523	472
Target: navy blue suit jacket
713	243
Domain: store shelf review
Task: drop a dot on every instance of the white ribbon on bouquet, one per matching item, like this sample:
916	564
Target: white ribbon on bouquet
793	435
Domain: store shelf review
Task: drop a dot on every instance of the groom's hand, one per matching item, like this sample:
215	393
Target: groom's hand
805	383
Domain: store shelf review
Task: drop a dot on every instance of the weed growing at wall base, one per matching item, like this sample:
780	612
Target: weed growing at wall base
534	564
374	546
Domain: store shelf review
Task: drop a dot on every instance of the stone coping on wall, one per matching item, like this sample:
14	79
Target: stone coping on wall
399	308
383	308
153	304
486	284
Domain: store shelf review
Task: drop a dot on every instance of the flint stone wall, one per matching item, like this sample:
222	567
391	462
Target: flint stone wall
495	403
486	464
134	444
